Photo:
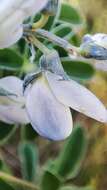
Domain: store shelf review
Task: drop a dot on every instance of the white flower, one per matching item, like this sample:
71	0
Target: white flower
99	39
12	15
47	102
49	99
12	104
94	46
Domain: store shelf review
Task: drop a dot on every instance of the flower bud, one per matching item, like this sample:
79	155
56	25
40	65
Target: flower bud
51	7
94	46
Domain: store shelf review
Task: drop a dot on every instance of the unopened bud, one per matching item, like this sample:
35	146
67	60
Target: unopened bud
51	7
94	46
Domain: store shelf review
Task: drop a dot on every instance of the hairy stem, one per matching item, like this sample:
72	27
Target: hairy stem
17	182
43	20
57	40
39	45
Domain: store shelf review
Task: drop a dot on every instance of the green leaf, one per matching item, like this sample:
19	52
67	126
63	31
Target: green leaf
75	40
4	167
62	30
77	69
5	186
28	154
69	14
62	53
69	162
49	182
6	131
50	23
10	60
76	188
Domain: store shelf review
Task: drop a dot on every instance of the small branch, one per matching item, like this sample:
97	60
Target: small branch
57	40
18	182
39	45
43	20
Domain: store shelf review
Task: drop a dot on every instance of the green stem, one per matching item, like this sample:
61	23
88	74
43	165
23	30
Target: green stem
41	23
57	40
39	45
17	182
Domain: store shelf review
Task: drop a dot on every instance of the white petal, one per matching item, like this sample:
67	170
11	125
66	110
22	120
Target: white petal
48	117
28	7
12	15
13	84
12	107
76	96
7	7
13	115
31	7
11	38
100	39
15	30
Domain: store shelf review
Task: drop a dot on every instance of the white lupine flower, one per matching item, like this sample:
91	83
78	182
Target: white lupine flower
48	99
12	15
94	46
12	107
99	39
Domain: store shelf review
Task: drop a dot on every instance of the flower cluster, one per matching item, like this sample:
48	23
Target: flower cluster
48	96
44	98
